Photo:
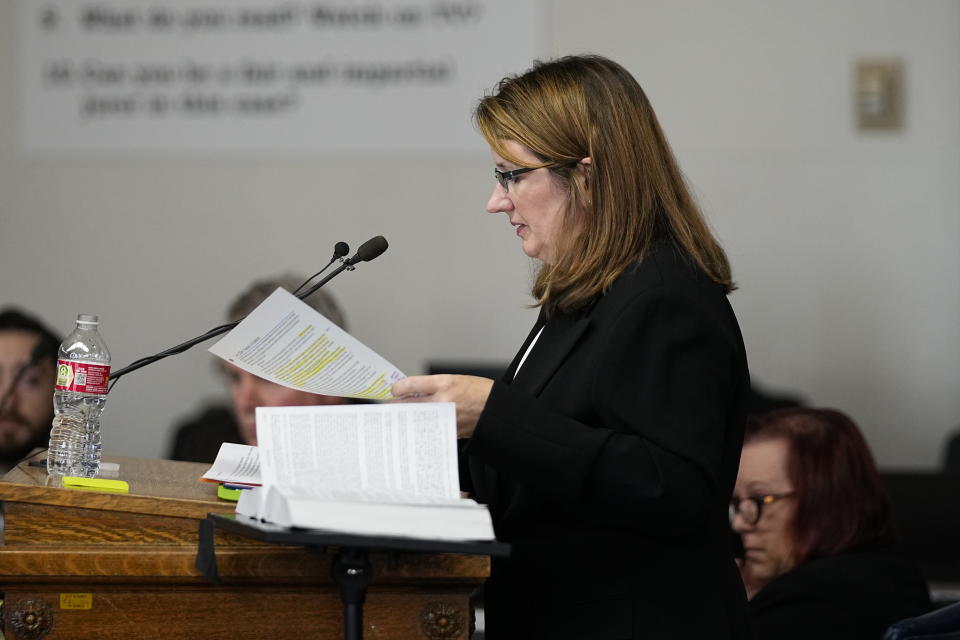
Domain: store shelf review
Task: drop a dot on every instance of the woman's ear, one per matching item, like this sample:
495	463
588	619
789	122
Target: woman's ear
584	166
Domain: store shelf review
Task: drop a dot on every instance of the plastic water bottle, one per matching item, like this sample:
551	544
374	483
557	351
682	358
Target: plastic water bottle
83	369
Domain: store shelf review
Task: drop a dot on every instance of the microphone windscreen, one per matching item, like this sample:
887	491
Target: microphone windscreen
372	248
340	249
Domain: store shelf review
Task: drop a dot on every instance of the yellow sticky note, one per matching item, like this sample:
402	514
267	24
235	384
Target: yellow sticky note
96	484
76	601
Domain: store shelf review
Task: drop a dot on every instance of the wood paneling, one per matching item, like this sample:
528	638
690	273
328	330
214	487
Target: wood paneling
131	557
298	613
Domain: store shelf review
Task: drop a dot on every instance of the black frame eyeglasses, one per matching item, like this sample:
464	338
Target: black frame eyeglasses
505	177
750	508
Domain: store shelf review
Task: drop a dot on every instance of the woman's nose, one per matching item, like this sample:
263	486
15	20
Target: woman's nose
739	523
499	200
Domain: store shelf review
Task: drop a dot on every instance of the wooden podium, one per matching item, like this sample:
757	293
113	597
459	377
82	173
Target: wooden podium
80	564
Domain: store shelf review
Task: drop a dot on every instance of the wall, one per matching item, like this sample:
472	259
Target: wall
844	244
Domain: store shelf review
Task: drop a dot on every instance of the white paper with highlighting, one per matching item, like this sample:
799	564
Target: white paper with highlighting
286	341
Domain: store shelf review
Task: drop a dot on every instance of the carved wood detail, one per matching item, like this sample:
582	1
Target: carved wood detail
442	621
31	619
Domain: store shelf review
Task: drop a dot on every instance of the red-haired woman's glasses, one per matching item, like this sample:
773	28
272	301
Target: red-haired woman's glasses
750	508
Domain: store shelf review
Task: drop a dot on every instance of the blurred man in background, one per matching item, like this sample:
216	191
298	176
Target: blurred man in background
199	440
28	364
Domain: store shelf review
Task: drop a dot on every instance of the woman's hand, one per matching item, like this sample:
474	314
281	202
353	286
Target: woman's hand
468	392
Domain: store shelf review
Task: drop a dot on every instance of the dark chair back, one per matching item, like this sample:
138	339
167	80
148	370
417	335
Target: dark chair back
940	624
926	509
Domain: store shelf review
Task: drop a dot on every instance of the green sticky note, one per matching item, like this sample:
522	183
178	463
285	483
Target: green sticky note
95	484
228	494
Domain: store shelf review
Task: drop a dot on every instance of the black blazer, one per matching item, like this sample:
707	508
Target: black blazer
198	439
608	463
850	596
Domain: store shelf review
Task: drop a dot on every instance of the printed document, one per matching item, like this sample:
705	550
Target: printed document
372	469
235	464
403	452
286	341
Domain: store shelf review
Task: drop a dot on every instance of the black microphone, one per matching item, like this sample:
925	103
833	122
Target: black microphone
369	250
339	250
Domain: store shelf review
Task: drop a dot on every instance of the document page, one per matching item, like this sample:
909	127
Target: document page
286	341
403	452
236	464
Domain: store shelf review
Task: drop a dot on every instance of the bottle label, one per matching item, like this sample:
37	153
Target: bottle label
82	377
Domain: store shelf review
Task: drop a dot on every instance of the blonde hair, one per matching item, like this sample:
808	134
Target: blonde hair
631	194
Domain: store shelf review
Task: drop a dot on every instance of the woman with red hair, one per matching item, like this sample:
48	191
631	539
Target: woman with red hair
819	554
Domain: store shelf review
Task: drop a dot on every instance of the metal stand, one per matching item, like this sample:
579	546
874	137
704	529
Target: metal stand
351	568
352	572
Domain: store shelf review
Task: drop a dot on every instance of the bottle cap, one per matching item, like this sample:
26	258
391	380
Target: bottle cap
86	318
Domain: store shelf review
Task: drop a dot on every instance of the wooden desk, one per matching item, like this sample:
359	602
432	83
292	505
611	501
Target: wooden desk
80	564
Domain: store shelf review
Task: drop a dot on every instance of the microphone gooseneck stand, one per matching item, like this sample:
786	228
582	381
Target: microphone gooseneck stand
369	250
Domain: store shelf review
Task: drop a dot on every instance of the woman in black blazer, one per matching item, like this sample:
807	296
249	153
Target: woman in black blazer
607	453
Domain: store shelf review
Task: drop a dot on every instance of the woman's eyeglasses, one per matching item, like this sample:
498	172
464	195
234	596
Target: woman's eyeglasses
506	177
750	508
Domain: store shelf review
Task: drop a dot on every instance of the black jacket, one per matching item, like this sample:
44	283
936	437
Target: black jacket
847	596
608	463
198	439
